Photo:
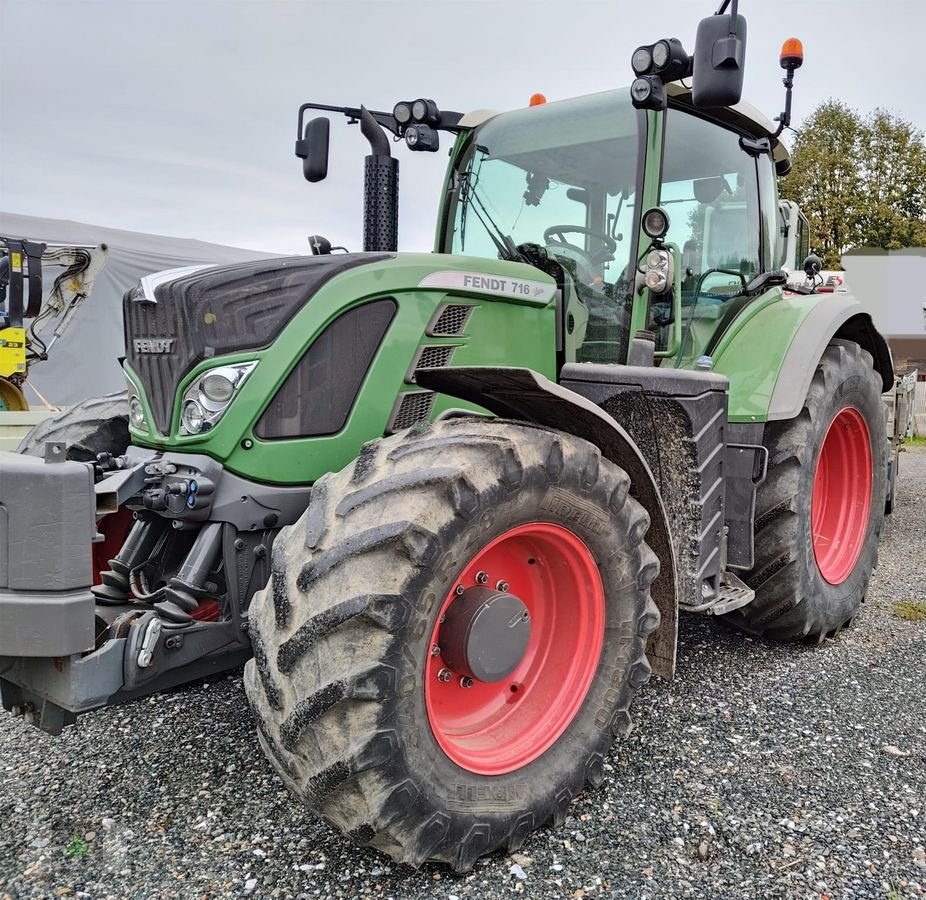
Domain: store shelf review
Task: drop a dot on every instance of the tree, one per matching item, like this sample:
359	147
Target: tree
861	181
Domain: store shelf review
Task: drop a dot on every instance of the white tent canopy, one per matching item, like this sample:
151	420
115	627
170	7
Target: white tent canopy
84	363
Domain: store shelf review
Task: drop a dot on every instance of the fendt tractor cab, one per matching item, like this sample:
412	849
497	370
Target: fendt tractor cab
449	505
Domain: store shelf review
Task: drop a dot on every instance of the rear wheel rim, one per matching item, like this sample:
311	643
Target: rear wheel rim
495	728
841	501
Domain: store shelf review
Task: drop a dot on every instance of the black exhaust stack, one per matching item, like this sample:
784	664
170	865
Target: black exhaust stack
380	189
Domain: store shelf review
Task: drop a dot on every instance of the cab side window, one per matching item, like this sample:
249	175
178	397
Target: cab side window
710	190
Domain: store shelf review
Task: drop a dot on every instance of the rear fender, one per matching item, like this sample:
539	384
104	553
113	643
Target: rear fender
827	320
527	396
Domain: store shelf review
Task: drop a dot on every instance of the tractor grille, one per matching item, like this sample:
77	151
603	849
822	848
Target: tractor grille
429	358
449	320
411	407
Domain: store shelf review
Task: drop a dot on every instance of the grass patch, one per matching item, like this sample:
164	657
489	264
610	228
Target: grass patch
911	610
915	442
77	847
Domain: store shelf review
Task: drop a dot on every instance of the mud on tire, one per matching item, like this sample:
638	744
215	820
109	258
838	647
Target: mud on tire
100	425
793	599
343	631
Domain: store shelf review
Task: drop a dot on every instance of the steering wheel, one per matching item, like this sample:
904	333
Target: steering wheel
555	236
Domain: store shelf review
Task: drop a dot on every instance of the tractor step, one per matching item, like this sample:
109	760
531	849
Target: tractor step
733	594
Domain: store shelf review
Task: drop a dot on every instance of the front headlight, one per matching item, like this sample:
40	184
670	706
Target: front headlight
137	418
192	417
136	412
206	399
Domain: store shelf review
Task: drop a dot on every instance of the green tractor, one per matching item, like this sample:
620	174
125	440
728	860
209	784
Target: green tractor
450	505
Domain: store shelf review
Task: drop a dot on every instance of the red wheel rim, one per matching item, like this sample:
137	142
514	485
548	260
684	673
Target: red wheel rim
841	502
494	728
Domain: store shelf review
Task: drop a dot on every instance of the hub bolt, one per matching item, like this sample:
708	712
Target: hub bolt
459	590
444	675
466	681
481	578
435	650
502	586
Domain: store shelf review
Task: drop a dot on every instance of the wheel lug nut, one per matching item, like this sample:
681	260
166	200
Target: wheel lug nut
435	650
459	589
502	586
481	578
466	681
444	675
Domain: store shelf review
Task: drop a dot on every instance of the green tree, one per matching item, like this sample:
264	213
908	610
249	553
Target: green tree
892	155
826	179
861	181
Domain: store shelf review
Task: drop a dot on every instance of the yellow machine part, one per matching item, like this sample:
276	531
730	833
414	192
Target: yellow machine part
12	352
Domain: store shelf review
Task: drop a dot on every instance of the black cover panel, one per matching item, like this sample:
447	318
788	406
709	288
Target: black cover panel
677	419
220	310
319	393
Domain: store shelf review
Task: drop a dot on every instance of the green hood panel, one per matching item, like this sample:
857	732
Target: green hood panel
504	315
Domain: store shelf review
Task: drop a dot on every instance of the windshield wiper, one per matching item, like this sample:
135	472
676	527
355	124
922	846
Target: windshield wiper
507	249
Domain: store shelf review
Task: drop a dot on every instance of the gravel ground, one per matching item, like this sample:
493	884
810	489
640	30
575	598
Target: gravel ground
761	771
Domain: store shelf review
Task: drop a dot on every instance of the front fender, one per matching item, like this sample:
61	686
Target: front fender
527	396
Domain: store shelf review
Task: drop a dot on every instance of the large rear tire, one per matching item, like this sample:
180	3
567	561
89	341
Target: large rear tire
100	425
356	702
820	511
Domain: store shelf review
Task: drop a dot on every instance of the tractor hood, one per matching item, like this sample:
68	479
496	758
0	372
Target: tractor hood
173	323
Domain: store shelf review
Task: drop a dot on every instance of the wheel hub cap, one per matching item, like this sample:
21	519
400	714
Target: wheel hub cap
485	634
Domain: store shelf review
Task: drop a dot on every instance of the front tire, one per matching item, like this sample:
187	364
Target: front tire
820	511
88	428
346	682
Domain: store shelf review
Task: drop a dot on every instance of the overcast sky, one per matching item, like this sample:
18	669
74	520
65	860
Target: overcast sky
178	116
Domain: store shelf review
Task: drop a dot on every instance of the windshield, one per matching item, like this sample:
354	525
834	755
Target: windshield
562	176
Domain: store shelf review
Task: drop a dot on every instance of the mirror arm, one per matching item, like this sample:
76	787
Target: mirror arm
352	112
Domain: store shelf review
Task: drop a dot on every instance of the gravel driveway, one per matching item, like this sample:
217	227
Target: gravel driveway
761	771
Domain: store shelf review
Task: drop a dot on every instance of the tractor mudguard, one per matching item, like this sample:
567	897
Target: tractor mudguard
843	318
527	396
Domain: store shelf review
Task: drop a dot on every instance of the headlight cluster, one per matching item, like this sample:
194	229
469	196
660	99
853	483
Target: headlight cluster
207	398
658	270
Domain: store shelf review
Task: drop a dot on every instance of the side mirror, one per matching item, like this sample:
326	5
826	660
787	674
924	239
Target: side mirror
313	149
719	61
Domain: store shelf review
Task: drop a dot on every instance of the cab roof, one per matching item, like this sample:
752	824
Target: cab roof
743	116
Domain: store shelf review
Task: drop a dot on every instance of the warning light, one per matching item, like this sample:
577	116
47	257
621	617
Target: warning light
537	100
792	54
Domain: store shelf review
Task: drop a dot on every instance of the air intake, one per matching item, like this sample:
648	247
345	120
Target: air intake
449	320
410	408
432	357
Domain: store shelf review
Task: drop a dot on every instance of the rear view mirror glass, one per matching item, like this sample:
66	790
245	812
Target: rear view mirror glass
707	190
719	61
313	149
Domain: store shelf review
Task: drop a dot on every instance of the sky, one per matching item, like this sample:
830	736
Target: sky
178	117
